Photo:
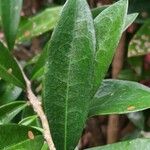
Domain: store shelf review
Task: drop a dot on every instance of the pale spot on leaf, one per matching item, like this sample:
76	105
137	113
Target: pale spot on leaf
9	70
130	108
30	135
27	33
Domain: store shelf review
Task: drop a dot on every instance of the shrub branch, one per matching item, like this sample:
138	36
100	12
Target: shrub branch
36	104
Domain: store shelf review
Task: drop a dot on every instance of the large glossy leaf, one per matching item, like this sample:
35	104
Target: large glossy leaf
9	111
9	69
69	71
34	144
13	134
108	37
119	97
140	43
38	24
137	144
10	13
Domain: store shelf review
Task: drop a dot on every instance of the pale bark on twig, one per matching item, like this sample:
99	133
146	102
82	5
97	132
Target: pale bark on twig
36	104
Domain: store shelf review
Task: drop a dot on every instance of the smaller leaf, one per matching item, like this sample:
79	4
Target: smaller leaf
14	134
9	69
45	147
28	120
130	19
115	17
128	74
38	24
137	144
140	43
9	94
47	19
9	111
98	10
10	13
38	69
39	66
34	144
119	97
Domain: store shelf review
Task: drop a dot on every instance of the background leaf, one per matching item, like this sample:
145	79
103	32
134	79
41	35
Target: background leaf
9	93
28	120
10	13
120	97
37	25
9	69
69	71
114	16
137	144
140	43
13	134
10	110
38	69
129	20
34	144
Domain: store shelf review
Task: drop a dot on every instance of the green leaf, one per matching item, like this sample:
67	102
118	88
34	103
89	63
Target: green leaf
139	6
137	144
38	68
140	43
45	147
9	69
9	94
130	19
119	97
38	24
69	71
13	134
10	13
128	74
108	37
47	20
9	111
34	144
43	22
98	10
28	120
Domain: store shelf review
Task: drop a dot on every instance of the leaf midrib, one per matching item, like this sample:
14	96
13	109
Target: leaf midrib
68	81
67	91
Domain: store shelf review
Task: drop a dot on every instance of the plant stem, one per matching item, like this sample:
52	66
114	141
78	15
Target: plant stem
36	104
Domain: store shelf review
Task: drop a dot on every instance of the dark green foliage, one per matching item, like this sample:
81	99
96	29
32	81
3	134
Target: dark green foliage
72	65
68	81
9	69
10	13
